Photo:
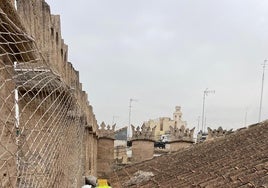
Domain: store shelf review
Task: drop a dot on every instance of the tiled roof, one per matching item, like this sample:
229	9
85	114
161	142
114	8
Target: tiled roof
237	160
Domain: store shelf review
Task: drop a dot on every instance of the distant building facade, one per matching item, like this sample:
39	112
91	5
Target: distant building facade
163	123
120	146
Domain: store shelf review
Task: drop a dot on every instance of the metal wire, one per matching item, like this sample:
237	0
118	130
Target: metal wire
41	133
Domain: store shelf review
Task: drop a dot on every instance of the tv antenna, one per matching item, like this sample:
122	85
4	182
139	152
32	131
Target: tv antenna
129	116
262	83
206	92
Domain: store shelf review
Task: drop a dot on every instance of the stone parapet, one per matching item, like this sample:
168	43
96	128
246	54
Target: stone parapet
181	134
212	134
142	143
40	24
106	131
143	133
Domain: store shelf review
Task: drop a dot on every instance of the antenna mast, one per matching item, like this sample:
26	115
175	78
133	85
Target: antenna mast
264	65
206	92
129	116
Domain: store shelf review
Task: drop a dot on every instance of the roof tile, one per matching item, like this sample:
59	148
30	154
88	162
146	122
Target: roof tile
237	160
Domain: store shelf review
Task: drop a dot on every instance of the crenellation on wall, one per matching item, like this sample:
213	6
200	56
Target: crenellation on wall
142	143
65	61
180	138
181	134
56	59
37	17
106	137
68	68
215	133
106	131
143	133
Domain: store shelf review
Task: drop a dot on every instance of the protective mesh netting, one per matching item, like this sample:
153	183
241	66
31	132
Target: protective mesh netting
40	124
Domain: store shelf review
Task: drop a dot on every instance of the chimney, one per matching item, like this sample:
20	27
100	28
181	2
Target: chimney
142	143
105	156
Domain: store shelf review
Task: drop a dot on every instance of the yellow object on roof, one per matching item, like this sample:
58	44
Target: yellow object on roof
103	183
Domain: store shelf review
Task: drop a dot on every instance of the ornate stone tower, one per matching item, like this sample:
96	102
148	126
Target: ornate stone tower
142	143
180	138
177	114
105	156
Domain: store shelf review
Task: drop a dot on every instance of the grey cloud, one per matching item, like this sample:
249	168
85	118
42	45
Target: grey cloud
165	53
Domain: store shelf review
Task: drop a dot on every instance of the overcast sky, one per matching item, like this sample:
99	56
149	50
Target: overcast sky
166	53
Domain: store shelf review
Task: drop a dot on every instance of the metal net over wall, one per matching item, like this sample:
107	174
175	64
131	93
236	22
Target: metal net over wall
40	122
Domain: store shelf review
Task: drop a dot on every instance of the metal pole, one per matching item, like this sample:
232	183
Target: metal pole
203	111
205	124
198	122
264	64
204	97
114	117
129	117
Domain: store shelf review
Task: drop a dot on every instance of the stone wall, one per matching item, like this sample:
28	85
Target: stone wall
7	120
94	156
212	134
142	150
105	157
45	28
10	24
120	154
57	104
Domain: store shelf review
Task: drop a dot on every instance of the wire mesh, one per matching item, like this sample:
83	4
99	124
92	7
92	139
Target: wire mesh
41	132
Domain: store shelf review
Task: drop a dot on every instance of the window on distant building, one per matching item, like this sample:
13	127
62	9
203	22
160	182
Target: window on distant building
161	126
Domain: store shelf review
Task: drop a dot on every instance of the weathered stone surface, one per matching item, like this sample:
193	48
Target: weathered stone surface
7	6
142	150
212	134
180	138
181	134
8	145
178	145
120	154
53	112
105	156
106	131
105	159
142	133
142	143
